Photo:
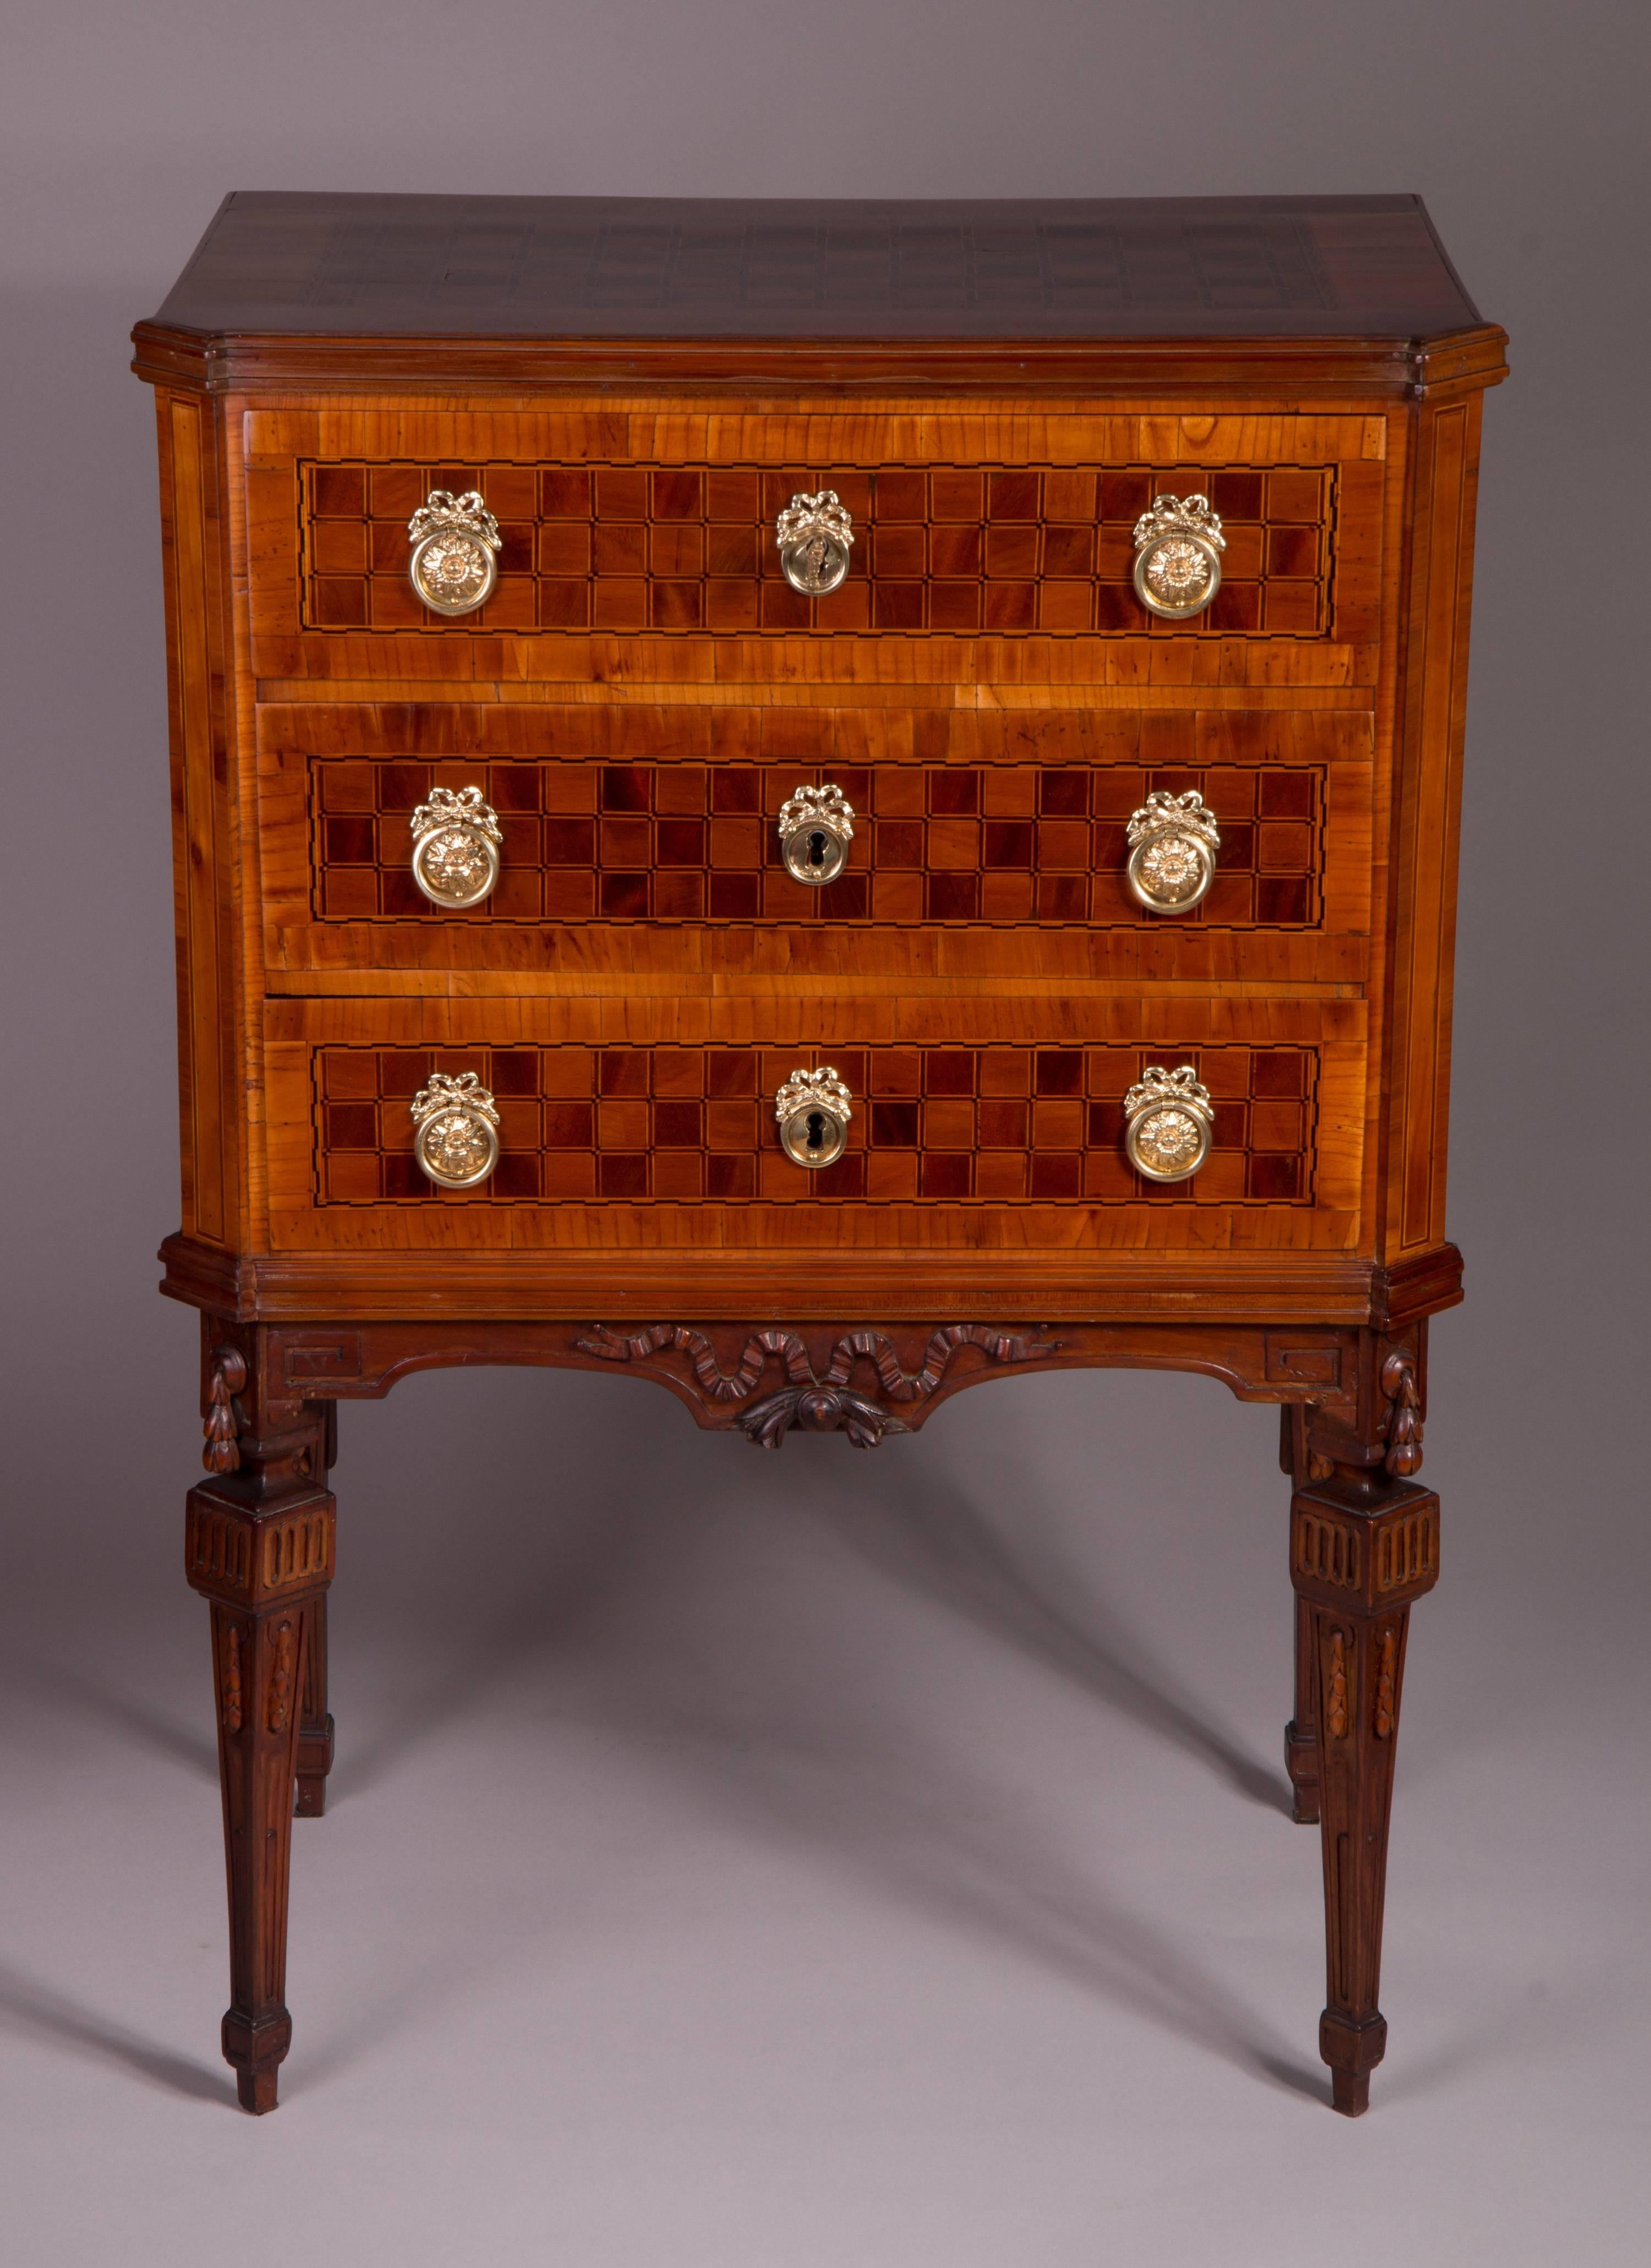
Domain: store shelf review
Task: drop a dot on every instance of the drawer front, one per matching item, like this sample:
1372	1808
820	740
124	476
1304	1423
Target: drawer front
986	1124
654	527
638	829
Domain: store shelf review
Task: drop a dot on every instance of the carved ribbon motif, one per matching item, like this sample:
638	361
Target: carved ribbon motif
1404	1419
814	1402
221	1453
818	1410
734	1385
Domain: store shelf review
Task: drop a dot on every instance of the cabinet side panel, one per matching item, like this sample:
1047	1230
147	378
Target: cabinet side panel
199	821
1427	818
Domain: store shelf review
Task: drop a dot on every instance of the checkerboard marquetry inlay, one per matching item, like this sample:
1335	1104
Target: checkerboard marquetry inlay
963	550
932	1125
698	842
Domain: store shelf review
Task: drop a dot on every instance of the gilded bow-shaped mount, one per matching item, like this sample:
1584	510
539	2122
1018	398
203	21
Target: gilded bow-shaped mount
1184	814
807	1089
826	808
453	1091
441	509
1168	515
462	806
1159	1089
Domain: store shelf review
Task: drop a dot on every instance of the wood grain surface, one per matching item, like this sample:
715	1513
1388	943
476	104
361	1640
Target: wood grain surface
637	779
635	389
994	546
1021	268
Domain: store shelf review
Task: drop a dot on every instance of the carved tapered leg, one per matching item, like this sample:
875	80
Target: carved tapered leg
1363	1547
257	1658
259	1538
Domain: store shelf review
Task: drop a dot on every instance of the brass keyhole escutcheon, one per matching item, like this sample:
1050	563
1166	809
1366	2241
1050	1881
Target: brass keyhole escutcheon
813	1108
816	826
813	1138
813	534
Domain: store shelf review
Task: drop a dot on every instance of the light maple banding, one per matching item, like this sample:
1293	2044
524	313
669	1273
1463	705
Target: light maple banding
994	393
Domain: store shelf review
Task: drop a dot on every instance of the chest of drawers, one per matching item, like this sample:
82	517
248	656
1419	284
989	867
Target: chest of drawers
867	793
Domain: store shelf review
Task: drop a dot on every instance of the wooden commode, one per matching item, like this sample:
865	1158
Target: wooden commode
867	793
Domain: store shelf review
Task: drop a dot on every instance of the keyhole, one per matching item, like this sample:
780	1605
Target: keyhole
816	849
816	1129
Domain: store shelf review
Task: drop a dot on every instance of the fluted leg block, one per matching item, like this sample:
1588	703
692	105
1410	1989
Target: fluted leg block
1361	1552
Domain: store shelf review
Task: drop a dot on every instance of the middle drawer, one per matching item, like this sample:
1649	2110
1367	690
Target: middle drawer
633	837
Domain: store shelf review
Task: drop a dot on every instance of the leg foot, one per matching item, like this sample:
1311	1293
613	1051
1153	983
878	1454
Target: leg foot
256	2052
1352	2051
1349	2093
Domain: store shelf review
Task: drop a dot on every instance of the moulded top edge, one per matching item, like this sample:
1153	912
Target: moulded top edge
1392	364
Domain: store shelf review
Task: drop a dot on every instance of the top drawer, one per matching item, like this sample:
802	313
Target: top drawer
985	547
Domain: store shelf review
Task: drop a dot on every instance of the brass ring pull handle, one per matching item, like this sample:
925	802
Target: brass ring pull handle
455	552
813	1108
1173	840
456	843
1179	547
457	1138
1169	1119
816	826
813	534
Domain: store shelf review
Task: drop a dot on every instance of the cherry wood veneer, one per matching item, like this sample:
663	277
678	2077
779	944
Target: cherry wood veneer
995	391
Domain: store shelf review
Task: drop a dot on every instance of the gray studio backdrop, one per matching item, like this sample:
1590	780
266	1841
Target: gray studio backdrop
822	1856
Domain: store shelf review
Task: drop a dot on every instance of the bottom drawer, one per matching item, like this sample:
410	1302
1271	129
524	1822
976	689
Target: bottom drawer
991	1123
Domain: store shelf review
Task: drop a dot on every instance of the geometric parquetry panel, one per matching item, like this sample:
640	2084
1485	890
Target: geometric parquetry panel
680	1125
698	843
944	549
